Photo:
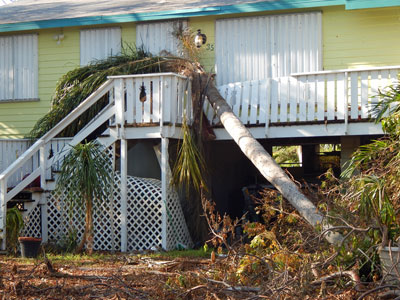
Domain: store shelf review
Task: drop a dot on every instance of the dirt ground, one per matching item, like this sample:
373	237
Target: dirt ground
107	277
134	277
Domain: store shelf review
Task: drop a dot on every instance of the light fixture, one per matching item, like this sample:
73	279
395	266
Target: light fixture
200	39
58	38
142	95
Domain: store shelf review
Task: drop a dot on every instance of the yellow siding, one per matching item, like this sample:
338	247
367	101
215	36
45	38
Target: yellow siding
17	119
360	38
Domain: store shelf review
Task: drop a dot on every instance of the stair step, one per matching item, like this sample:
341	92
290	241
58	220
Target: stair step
18	200
35	189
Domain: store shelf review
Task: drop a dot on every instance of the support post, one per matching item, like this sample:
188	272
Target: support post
3	211
43	166
164	190
124	193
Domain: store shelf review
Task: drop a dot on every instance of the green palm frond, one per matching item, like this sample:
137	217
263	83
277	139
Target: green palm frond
86	174
190	166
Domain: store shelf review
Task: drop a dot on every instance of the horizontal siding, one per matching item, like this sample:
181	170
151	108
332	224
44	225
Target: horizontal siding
360	38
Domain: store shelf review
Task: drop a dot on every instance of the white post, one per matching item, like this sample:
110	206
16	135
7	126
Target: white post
120	122
164	190
346	103
3	211
124	193
43	166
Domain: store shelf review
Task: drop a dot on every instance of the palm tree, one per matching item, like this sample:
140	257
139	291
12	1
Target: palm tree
86	177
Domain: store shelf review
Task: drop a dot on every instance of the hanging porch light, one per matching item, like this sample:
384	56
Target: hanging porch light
200	39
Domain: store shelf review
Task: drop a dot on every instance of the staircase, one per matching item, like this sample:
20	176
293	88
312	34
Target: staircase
168	100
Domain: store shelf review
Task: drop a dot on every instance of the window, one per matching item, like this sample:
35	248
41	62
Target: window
255	48
155	37
100	43
19	67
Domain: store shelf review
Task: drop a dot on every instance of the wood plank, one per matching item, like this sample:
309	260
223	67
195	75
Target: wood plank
138	104
274	100
130	100
294	96
302	99
320	97
354	113
174	99
146	104
264	92
155	116
311	97
283	99
245	102
180	99
364	95
374	84
340	96
330	97
236	98
254	100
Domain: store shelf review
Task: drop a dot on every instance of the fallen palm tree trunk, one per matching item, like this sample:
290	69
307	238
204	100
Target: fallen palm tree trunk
265	163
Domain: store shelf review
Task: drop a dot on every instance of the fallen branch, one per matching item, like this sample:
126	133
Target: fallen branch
351	274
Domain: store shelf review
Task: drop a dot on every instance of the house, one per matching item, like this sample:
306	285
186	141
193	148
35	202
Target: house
295	72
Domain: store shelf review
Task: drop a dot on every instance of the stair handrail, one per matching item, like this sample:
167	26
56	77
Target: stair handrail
72	116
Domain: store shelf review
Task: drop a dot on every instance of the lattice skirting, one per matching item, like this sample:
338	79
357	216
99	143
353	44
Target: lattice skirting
144	217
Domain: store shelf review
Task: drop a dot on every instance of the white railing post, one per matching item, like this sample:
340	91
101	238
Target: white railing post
43	166
346	102
3	210
164	191
120	123
124	193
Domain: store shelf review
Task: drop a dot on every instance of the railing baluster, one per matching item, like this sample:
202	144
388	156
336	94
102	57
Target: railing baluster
364	95
340	96
293	90
311	101
274	100
146	103
263	94
156	100
354	113
302	99
129	100
320	97
245	102
330	96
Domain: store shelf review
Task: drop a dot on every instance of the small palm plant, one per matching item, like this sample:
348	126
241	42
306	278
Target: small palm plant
14	225
86	176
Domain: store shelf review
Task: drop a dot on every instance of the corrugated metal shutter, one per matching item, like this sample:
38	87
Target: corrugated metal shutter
19	67
255	48
99	44
155	37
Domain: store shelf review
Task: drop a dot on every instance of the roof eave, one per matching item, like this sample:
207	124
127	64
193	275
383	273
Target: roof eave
165	15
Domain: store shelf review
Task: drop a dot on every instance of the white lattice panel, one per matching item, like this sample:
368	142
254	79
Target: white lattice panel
144	218
177	231
33	223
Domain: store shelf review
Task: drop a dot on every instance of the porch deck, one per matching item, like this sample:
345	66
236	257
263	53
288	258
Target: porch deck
153	106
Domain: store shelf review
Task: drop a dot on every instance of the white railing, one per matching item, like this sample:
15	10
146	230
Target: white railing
10	150
157	88
325	96
167	100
